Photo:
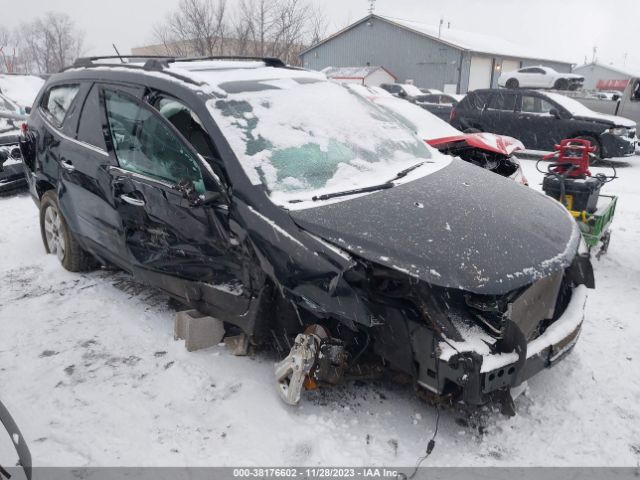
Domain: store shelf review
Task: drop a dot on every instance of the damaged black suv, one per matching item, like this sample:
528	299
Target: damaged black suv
307	218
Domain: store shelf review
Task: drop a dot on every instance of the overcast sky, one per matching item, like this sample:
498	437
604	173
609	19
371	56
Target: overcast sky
563	28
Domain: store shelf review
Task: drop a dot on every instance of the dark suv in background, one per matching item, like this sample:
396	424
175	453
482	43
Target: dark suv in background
540	120
330	230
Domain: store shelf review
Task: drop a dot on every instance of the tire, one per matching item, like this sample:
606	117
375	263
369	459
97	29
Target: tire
512	83
57	237
561	84
596	143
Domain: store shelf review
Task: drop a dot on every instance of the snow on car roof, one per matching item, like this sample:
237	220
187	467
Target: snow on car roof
475	42
216	73
22	89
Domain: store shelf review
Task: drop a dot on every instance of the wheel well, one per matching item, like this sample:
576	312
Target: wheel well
42	187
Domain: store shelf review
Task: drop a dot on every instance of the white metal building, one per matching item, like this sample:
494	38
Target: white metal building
431	57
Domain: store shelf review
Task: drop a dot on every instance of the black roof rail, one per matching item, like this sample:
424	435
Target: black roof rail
90	61
160	63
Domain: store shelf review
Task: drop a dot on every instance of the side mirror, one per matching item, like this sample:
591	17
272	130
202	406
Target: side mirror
27	110
554	112
188	190
402	94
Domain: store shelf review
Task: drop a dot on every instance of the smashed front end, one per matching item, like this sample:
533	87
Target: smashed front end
468	299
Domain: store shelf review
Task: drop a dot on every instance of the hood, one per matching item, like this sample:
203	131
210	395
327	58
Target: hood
614	120
484	141
461	227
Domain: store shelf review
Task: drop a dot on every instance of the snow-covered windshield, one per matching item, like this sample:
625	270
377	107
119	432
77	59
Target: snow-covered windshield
301	137
573	106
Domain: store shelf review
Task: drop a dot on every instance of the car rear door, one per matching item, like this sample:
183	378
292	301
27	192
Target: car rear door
499	114
85	184
174	212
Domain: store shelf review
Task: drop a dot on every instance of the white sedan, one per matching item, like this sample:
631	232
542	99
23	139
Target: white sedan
540	77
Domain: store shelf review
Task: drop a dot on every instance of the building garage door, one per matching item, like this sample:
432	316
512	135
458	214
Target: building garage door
510	65
480	73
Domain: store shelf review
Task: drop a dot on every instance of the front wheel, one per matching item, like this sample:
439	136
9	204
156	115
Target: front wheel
595	143
561	84
58	239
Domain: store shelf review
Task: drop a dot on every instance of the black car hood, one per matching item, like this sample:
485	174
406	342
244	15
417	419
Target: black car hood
461	227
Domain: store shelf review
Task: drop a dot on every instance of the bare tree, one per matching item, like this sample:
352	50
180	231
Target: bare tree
275	28
9	44
318	25
51	42
197	27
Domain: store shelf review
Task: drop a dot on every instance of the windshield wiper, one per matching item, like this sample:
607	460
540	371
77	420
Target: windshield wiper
372	188
355	191
406	171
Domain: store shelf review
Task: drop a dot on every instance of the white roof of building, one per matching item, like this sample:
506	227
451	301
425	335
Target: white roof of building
462	40
622	71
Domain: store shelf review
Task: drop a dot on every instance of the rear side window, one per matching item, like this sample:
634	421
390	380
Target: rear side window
57	101
144	144
502	101
477	100
90	125
431	99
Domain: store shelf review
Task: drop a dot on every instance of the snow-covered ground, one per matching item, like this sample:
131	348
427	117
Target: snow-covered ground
91	373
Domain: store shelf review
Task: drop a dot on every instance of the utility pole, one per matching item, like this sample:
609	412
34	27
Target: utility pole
372	6
440	27
595	52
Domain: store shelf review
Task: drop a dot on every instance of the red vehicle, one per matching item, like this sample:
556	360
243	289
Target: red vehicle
487	150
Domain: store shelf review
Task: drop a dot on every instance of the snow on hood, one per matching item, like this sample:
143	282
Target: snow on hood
462	227
577	109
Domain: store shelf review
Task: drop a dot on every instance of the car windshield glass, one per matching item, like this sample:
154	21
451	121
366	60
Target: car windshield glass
573	106
302	137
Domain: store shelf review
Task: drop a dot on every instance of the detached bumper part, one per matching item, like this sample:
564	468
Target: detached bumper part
480	375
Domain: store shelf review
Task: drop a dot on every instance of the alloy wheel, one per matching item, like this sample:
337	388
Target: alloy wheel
54	232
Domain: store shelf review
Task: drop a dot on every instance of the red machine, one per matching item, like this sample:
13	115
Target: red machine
571	158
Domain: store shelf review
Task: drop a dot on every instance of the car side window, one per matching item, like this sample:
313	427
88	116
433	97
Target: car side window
144	144
432	99
501	101
479	100
90	124
57	101
635	92
187	123
445	100
531	104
